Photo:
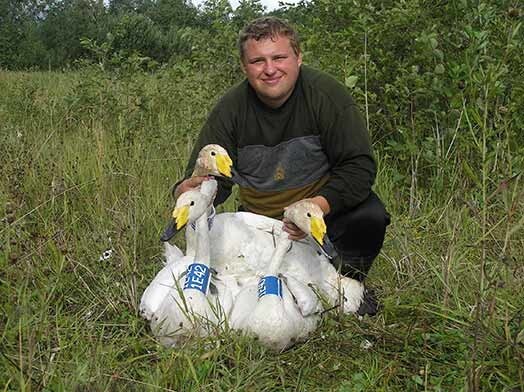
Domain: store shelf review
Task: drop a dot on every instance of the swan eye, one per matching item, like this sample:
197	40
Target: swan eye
309	215
213	153
192	203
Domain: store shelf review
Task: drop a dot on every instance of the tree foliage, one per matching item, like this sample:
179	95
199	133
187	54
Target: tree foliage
413	65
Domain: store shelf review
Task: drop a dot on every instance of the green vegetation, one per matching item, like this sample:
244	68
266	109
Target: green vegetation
88	156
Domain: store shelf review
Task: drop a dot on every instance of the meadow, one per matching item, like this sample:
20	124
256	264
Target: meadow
89	154
87	166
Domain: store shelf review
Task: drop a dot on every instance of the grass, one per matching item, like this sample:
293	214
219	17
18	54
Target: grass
87	163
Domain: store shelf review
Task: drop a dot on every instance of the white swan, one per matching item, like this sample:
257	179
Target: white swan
242	242
212	160
190	307
267	309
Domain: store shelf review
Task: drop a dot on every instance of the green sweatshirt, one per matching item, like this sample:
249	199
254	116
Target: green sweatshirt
314	144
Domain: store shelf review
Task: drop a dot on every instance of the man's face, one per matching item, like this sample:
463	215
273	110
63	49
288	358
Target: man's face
271	67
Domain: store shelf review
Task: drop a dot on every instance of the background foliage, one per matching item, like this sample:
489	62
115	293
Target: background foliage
92	139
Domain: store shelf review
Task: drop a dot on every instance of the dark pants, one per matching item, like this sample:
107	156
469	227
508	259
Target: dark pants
358	235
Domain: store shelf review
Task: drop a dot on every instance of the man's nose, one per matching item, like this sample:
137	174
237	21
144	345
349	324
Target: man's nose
270	68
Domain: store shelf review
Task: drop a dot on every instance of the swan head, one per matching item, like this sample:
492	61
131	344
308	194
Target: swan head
189	206
213	160
309	218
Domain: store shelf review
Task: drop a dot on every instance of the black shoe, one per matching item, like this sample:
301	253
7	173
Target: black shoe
369	305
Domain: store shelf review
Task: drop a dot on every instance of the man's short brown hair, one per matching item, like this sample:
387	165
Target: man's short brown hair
268	27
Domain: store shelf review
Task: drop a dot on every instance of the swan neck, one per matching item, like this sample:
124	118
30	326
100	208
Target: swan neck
202	241
283	243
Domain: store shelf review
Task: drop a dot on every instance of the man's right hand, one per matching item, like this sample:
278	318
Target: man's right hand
188	184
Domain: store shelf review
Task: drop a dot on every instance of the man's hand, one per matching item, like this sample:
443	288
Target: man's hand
294	232
190	183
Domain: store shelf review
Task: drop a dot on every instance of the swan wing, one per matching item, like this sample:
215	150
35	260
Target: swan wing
161	286
304	296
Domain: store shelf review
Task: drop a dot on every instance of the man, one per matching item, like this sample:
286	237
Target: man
294	133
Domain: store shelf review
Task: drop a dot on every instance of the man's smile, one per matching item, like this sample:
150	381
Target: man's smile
272	81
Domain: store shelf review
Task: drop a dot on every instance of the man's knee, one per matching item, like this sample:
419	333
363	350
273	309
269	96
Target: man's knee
358	236
371	214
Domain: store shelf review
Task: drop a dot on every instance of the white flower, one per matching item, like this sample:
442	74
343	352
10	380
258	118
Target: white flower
106	255
366	345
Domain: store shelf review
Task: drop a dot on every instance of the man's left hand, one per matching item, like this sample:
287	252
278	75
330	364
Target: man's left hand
294	232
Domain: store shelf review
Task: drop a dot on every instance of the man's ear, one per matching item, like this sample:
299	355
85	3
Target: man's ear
299	60
242	66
